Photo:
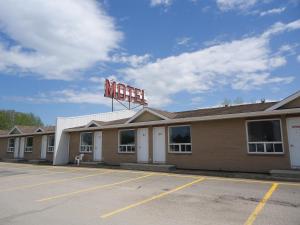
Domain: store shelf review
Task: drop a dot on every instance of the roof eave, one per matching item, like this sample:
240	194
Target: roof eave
146	110
26	134
193	119
284	101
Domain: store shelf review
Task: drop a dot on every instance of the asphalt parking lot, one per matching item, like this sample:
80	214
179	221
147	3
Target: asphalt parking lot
32	195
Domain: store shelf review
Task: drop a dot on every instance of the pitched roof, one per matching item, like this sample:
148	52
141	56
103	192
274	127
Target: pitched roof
27	129
112	122
255	107
31	129
167	114
4	132
49	128
115	122
224	110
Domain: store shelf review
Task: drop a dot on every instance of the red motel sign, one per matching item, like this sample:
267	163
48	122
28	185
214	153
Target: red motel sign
124	92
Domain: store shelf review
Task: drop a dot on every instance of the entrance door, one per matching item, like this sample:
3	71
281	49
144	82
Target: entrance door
142	145
159	145
22	146
98	146
293	125
16	151
44	147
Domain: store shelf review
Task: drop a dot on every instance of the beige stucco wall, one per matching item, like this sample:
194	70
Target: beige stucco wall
222	145
110	149
3	149
74	146
36	149
34	155
216	145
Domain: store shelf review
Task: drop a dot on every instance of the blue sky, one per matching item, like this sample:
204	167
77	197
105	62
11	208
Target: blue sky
186	54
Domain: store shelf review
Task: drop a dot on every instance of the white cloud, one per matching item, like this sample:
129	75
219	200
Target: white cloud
288	48
55	39
183	41
279	27
272	11
74	96
253	81
161	2
241	64
277	61
298	58
132	60
227	5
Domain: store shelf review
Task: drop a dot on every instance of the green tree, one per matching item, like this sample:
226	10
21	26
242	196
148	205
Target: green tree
10	118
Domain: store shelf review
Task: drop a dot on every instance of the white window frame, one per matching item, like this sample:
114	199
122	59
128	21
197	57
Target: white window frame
86	148
131	145
265	142
10	149
28	149
180	144
50	148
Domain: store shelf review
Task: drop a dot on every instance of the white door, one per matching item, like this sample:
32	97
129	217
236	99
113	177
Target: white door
22	146
159	145
293	125
16	151
142	145
98	146
44	147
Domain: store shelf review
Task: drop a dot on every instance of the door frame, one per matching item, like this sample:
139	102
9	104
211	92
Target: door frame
164	144
145	145
44	146
288	138
17	147
100	146
22	147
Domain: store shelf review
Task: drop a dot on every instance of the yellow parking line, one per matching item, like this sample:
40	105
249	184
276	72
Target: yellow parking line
261	204
93	188
52	182
151	198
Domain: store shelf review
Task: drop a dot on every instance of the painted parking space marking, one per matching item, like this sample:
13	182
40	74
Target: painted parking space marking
155	197
94	188
261	204
53	182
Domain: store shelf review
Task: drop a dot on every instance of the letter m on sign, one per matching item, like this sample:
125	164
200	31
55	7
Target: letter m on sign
110	89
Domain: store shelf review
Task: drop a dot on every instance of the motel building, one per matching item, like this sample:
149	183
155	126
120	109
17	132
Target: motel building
255	137
27	143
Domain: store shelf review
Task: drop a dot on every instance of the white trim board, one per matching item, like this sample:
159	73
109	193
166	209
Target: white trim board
15	128
91	123
284	101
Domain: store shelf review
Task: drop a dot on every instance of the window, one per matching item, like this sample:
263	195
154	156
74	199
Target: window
264	136
11	145
86	142
28	144
180	139
51	143
126	141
